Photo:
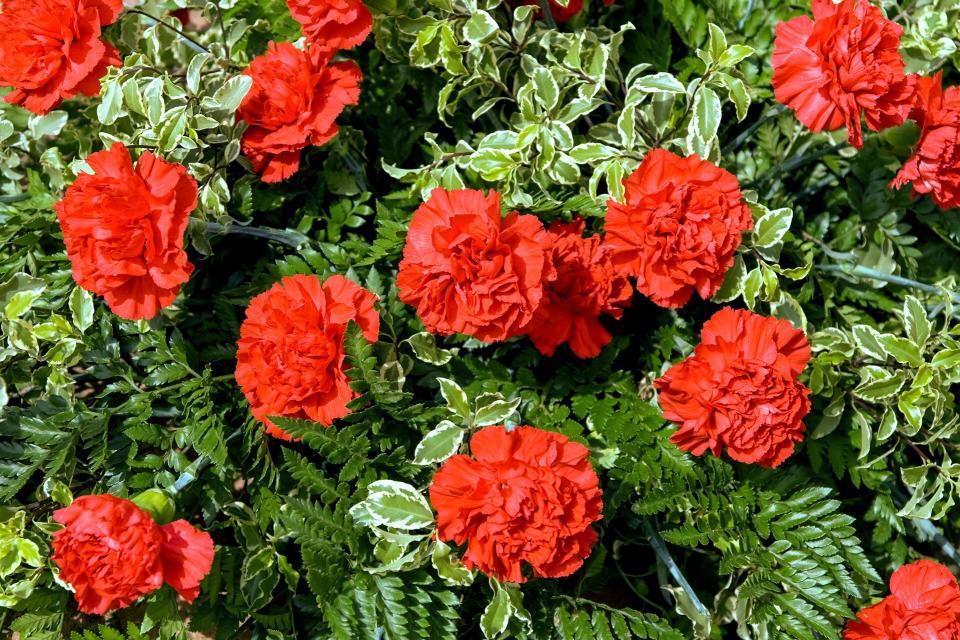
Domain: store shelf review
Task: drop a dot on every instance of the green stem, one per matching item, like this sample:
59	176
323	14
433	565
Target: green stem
287	237
190	42
860	271
547	14
192	472
740	139
663	555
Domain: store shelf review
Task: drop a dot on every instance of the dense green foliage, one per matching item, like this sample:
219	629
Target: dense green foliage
472	93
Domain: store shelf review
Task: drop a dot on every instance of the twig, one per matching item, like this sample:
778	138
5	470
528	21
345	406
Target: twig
547	14
223	32
926	527
740	139
663	555
190	42
860	271
287	237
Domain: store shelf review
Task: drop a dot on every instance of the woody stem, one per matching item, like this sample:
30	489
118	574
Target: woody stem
190	42
860	271
287	237
547	14
663	555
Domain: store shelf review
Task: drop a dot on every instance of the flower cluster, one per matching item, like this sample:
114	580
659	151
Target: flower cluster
934	167
332	25
678	227
469	270
123	226
112	552
51	50
924	604
294	103
526	495
739	390
290	357
297	94
844	65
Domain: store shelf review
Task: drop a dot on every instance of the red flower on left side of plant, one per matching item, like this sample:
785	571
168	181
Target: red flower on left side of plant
112	552
294	103
934	167
290	361
332	25
585	285
123	226
739	390
51	49
924	604
840	66
527	495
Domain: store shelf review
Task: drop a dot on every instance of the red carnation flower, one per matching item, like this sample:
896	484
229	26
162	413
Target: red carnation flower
678	227
924	604
843	63
294	103
528	496
739	389
51	49
290	358
332	25
934	167
467	270
123	227
586	286
563	14
112	552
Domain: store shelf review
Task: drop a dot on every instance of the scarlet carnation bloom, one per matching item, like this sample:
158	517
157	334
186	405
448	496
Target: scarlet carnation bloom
739	390
563	14
934	167
51	49
112	552
290	358
843	63
585	286
123	226
924	604
678	227
332	25
528	496
294	103
467	270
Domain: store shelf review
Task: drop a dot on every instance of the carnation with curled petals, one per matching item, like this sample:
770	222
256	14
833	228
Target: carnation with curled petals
332	25
924	604
739	390
51	49
294	103
123	226
526	496
844	63
678	227
290	357
468	270
934	167
584	287
112	552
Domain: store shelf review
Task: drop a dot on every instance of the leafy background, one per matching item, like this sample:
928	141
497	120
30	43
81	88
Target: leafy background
473	93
